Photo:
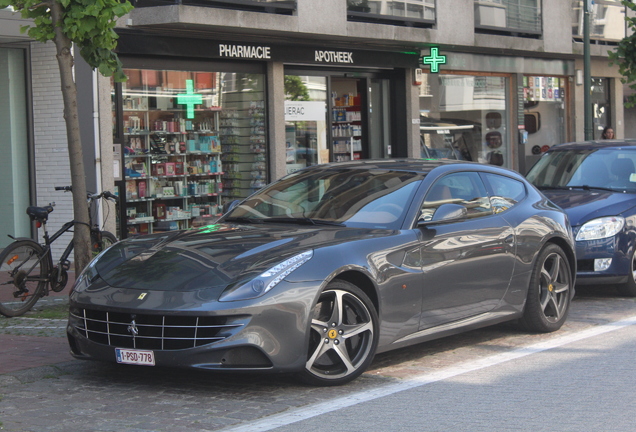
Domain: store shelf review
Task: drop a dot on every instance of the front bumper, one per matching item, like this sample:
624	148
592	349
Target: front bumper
264	334
615	248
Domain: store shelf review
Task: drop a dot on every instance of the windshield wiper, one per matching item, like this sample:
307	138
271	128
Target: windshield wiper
553	187
588	187
242	220
304	221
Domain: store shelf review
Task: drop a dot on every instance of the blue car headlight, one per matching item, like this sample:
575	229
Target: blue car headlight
267	280
601	228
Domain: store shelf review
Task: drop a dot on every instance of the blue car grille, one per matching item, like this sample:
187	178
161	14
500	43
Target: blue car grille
154	332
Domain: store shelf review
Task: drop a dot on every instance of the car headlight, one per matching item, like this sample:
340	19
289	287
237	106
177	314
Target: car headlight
266	280
601	228
87	276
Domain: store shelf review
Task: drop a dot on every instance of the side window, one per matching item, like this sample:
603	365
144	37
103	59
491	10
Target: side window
506	192
464	188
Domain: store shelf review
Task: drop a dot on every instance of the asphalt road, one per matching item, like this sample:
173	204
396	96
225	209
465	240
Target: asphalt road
578	379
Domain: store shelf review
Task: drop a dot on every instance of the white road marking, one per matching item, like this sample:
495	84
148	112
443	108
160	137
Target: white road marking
299	414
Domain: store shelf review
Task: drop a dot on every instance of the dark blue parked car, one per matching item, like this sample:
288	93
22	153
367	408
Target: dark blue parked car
595	183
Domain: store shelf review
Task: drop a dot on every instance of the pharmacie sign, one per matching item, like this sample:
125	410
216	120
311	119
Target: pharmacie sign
140	44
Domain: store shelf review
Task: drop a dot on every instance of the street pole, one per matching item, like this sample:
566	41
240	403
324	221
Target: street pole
587	78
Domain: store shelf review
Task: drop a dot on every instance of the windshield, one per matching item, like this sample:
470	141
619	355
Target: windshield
607	168
351	197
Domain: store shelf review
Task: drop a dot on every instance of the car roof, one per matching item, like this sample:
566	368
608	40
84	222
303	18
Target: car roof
591	145
410	165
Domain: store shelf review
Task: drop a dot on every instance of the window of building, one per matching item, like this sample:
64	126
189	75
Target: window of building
14	164
514	17
607	20
544	105
193	140
465	117
412	13
601	107
284	7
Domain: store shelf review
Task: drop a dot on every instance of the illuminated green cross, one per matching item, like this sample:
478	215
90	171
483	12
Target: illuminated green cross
189	99
434	60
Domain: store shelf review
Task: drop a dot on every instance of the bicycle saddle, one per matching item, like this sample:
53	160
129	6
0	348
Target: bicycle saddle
39	213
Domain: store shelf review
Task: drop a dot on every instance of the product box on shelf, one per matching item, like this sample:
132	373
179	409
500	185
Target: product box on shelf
178	168
141	189
170	168
131	189
167	225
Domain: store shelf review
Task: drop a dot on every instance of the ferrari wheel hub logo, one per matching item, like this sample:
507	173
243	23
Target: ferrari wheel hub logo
550	288
333	333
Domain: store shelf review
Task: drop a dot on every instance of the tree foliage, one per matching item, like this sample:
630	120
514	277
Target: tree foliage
89	24
625	55
295	89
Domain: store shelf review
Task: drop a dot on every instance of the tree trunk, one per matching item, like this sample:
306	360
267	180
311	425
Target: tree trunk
81	238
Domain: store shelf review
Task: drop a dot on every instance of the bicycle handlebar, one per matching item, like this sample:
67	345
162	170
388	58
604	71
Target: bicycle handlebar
91	197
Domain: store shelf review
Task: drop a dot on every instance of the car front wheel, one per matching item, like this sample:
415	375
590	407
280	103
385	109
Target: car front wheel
549	292
628	289
343	335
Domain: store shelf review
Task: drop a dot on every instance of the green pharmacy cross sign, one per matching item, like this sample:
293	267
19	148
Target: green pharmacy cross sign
434	60
189	99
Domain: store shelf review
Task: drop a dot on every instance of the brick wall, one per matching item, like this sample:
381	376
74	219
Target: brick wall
51	149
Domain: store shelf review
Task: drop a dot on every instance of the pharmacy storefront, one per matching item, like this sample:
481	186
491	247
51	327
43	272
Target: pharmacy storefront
481	108
192	126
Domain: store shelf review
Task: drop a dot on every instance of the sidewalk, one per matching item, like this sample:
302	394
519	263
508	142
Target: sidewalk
27	342
24	352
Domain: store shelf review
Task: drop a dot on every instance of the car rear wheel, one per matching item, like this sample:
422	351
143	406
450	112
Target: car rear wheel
343	335
628	289
549	292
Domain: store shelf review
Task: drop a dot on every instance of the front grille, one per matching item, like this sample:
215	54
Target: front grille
585	265
154	332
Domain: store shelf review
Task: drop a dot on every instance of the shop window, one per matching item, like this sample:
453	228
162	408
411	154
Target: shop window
305	121
508	17
465	117
601	107
283	7
544	114
412	13
192	140
14	164
607	21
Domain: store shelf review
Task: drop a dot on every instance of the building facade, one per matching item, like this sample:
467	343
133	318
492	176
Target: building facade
225	96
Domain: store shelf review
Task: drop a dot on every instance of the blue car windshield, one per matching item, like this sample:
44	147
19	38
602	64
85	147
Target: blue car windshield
604	168
360	198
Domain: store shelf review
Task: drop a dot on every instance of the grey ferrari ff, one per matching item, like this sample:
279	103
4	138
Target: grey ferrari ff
319	271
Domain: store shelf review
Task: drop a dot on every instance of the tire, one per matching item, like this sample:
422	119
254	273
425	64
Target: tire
628	289
22	279
549	293
107	240
341	345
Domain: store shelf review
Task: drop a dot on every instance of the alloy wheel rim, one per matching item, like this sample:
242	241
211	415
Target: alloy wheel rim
341	335
554	287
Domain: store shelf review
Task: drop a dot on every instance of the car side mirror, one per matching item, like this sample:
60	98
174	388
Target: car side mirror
230	205
446	213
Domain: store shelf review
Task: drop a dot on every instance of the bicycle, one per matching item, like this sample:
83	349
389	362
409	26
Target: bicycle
27	266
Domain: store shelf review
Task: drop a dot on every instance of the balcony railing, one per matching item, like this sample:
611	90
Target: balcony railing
283	7
607	21
411	13
508	17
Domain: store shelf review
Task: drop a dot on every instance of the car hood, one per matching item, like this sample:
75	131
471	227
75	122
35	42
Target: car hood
584	205
213	257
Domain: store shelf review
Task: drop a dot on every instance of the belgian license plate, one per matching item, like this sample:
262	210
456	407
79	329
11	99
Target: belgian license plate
135	357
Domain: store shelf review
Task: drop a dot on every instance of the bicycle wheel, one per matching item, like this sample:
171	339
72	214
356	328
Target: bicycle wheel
107	239
23	277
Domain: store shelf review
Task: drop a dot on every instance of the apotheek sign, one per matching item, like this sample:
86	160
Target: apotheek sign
140	44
